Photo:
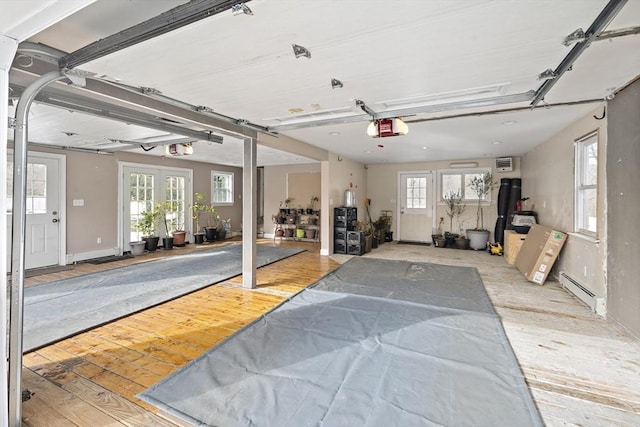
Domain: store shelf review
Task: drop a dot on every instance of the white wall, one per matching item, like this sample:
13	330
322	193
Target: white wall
548	179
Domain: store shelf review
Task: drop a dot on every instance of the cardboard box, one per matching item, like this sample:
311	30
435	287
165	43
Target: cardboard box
539	252
512	244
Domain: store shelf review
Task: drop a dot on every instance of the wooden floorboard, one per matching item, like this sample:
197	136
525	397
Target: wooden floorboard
581	369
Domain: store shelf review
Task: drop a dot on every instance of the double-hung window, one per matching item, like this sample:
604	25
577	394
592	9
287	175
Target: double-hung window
457	181
586	185
222	188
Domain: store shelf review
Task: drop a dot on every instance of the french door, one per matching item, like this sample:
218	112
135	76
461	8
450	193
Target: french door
416	206
144	187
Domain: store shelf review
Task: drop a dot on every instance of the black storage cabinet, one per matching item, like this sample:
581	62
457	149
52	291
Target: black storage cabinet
344	221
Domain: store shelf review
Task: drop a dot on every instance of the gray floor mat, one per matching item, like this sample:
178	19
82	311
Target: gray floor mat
59	309
338	355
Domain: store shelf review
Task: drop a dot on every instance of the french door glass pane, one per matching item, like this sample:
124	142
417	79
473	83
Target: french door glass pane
140	200
175	198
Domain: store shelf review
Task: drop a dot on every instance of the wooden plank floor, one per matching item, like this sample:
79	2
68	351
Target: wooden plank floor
92	378
581	369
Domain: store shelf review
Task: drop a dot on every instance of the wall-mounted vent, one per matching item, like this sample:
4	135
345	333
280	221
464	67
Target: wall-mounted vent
504	164
585	295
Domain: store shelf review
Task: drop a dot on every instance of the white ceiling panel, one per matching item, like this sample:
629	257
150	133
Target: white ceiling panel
387	54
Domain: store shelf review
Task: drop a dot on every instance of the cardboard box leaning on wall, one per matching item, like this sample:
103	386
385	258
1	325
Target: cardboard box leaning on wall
539	252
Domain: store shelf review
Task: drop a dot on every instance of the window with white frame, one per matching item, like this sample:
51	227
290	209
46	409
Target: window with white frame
459	181
222	188
586	188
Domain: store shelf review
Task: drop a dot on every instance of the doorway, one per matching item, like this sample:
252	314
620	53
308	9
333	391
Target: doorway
143	187
415	222
45	201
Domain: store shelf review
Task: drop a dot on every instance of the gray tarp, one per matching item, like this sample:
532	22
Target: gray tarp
59	309
363	347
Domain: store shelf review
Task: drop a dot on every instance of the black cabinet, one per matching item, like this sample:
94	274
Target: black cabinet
344	222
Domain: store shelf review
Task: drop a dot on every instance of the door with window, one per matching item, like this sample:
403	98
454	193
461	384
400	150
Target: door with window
43	244
144	188
416	206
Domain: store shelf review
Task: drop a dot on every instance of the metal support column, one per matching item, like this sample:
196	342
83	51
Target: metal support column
8	47
249	213
18	236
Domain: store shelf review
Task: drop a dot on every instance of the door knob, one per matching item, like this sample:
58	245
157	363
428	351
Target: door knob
54	220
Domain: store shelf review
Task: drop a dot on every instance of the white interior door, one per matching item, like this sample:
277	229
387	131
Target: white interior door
416	206
44	201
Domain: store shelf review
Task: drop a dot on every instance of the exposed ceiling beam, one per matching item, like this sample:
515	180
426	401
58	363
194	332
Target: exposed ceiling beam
175	18
599	24
118	113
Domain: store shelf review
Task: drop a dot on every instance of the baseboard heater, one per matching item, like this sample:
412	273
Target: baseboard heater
583	294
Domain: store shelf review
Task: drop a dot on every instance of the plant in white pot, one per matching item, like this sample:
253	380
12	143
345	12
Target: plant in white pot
481	185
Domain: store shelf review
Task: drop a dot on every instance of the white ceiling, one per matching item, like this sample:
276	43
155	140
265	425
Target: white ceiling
402	52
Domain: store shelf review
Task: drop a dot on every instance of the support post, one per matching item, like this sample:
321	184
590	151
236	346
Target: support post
249	213
8	47
17	247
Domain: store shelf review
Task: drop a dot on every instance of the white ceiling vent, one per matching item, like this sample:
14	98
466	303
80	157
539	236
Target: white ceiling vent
504	164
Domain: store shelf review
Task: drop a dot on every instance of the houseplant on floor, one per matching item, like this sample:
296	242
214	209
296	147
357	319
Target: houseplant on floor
452	201
167	210
148	225
481	185
197	208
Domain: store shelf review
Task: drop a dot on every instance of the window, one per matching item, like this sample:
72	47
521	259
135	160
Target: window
416	193
36	196
459	181
586	195
222	188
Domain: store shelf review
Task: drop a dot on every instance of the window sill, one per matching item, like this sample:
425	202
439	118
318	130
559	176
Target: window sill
584	237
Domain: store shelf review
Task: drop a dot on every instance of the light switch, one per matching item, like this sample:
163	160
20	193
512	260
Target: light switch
78	202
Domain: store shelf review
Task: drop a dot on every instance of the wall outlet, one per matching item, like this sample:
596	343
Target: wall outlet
99	240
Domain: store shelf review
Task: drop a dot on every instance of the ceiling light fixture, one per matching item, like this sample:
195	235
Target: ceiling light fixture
335	83
300	51
387	127
241	9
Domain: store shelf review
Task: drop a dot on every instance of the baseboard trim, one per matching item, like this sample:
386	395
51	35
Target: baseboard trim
71	258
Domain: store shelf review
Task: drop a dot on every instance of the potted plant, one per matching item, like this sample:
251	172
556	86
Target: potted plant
167	213
481	185
213	222
381	227
197	208
312	205
148	225
453	201
367	230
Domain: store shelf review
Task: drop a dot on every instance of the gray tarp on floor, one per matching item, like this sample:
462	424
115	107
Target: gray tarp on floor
376	343
59	309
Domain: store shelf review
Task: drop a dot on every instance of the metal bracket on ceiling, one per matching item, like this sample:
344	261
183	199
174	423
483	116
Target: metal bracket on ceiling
78	77
360	104
575	37
150	91
599	24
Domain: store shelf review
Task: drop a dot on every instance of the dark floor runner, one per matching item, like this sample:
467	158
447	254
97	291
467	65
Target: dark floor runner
57	310
107	259
409	242
374	343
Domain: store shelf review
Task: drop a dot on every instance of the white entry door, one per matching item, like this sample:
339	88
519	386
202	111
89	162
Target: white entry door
416	206
43	244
